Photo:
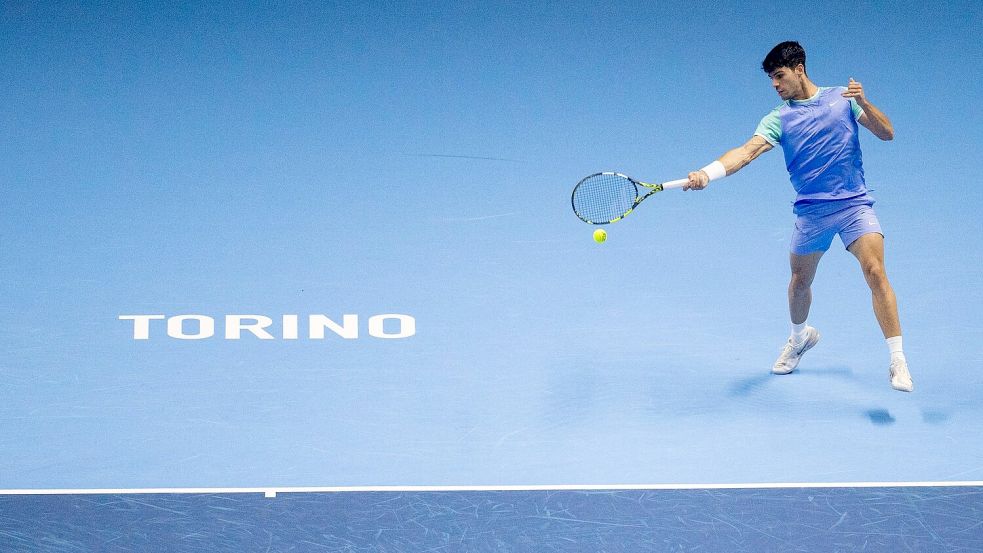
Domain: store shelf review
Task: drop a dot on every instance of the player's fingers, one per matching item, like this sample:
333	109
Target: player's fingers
694	182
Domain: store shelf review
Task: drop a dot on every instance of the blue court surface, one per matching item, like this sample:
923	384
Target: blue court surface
306	278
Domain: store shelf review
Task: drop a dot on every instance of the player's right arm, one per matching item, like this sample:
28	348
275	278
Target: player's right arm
732	161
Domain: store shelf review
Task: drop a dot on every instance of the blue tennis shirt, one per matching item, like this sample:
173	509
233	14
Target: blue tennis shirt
822	150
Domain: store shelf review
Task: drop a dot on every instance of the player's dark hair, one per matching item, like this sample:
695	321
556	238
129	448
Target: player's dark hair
786	54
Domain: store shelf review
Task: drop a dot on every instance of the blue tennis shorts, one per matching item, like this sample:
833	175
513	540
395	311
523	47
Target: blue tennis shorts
814	233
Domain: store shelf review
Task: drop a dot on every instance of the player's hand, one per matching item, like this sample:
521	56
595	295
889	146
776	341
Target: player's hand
698	180
855	90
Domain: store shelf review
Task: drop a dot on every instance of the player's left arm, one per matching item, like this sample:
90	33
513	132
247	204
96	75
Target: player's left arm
872	118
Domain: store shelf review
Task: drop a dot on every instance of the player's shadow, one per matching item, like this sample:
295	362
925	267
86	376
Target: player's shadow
880	417
746	386
883	417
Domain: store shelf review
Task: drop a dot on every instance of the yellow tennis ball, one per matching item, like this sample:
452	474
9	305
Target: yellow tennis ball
600	235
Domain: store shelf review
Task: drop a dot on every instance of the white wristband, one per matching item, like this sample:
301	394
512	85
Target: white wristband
715	170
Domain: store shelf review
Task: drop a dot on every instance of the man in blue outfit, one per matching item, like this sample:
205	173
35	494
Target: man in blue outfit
817	127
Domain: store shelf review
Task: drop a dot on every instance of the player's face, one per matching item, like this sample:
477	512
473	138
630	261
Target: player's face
789	82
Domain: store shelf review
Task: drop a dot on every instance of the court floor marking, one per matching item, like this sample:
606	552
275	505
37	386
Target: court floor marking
272	491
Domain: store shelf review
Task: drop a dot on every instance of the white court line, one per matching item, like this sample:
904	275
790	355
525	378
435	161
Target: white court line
272	491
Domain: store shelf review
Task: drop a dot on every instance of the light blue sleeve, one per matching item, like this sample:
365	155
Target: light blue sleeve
857	110
770	128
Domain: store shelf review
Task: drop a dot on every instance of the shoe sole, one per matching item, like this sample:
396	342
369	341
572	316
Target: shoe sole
902	388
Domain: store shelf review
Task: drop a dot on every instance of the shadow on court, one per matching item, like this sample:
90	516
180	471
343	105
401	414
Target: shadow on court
760	381
746	386
935	417
880	417
883	417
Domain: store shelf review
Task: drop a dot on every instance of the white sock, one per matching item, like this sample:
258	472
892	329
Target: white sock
894	345
799	332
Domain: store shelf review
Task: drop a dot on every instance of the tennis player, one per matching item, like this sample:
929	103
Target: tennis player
817	129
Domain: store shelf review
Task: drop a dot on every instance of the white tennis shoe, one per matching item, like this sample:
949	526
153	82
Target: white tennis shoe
791	353
900	378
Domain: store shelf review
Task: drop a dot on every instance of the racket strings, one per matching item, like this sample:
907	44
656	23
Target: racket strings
604	197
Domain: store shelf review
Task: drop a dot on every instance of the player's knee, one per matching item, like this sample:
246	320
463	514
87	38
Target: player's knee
875	274
800	281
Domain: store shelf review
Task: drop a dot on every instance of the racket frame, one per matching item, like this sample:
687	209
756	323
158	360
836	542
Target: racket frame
653	188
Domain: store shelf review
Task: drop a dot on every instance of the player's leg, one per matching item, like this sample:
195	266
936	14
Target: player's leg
869	251
803	337
868	248
800	286
810	239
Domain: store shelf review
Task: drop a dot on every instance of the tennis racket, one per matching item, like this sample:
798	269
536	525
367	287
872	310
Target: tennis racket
604	198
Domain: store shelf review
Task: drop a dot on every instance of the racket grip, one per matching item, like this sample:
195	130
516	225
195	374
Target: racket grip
674	184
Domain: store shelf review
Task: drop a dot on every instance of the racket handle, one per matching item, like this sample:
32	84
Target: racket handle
674	184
